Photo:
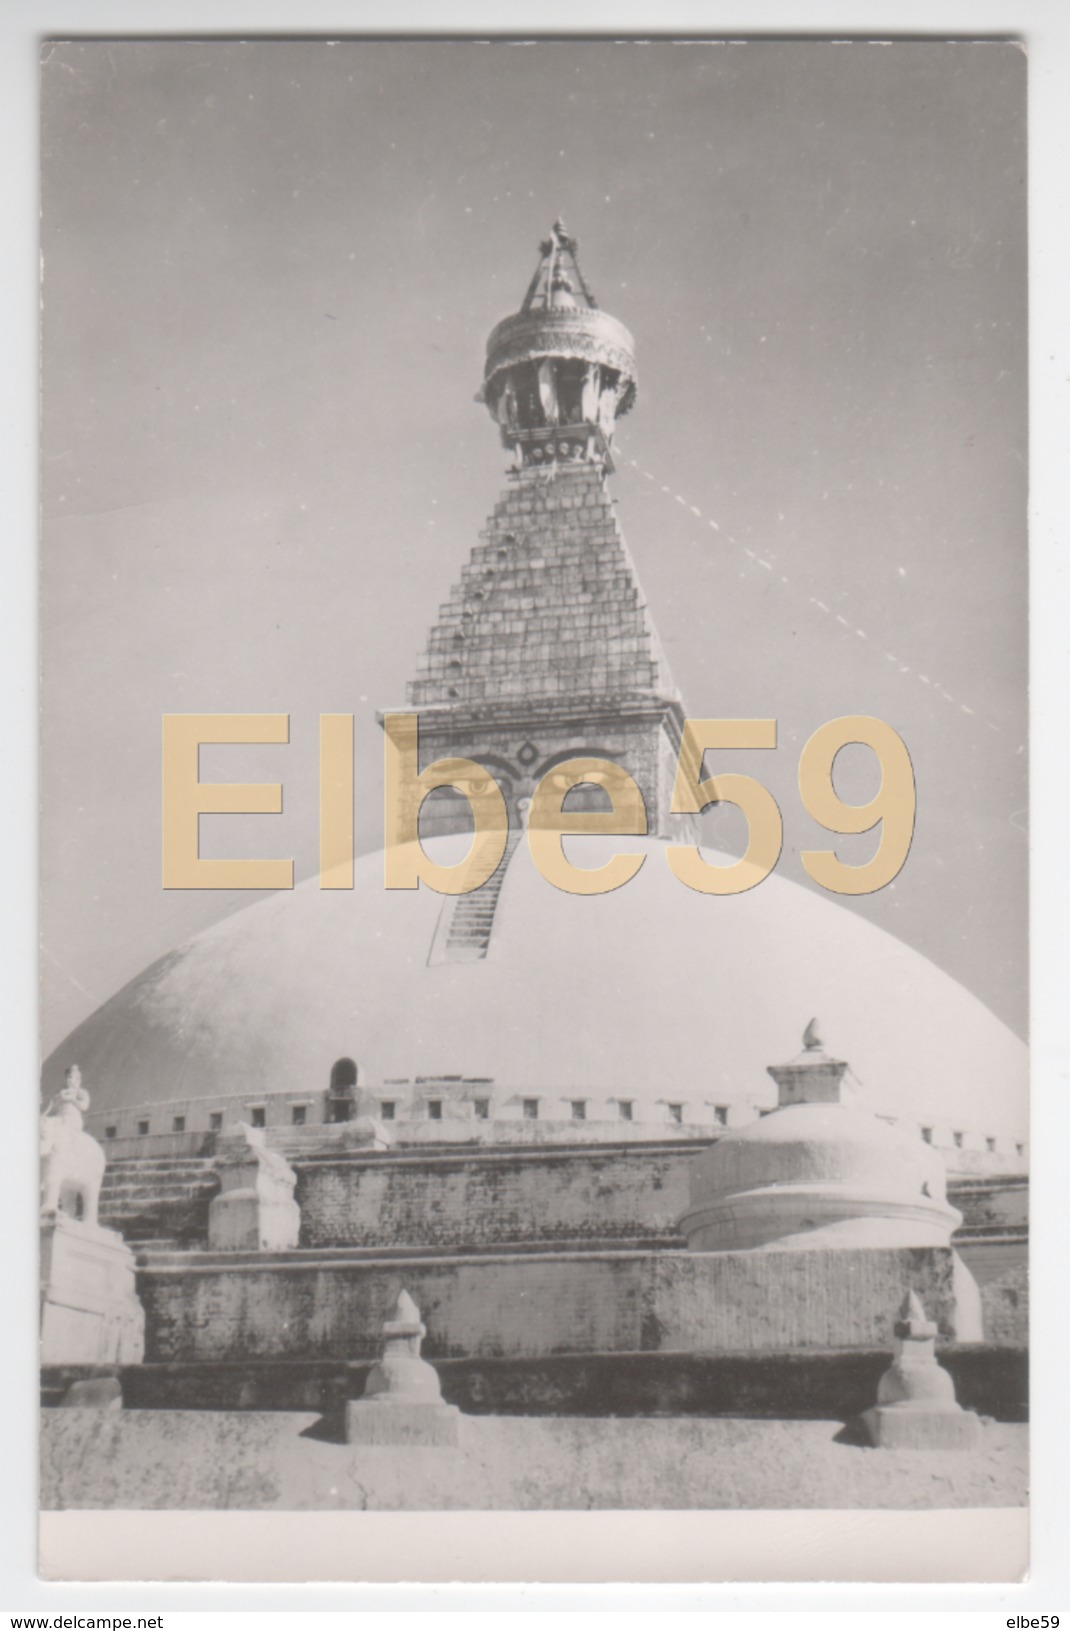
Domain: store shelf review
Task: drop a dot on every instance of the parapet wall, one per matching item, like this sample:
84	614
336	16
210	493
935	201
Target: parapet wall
331	1305
477	1200
474	1200
484	1199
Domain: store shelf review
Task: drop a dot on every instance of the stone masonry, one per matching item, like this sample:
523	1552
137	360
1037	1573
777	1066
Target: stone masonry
545	650
213	1307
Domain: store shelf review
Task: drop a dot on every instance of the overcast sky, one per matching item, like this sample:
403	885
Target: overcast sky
269	272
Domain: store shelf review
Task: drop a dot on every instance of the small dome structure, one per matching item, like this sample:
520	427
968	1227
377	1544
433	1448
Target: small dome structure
818	1172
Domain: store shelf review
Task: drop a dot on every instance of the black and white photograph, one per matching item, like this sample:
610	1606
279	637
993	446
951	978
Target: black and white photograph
534	777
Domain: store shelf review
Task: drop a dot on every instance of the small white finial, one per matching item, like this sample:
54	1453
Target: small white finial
405	1310
912	1320
812	1036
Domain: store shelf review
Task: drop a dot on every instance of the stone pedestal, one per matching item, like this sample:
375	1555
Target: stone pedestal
402	1402
93	1393
398	1421
255	1209
90	1313
916	1407
904	1428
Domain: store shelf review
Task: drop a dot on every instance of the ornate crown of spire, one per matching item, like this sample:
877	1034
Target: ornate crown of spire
559	364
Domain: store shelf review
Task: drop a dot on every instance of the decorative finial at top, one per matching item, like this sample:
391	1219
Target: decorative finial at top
812	1077
560	238
405	1311
912	1321
559	373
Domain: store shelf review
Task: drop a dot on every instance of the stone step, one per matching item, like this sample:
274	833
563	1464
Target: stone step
169	1169
120	1194
131	1204
186	1205
147	1184
177	1159
137	1175
188	1161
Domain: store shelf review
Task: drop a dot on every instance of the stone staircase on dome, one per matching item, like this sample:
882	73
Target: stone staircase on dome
466	922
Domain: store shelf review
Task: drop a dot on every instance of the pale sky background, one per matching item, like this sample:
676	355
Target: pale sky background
269	272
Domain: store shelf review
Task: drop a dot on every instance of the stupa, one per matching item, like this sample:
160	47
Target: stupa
548	1067
519	1014
820	1171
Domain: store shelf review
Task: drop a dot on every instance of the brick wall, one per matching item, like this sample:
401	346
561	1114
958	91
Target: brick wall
244	1307
547	605
482	1198
544	648
491	1198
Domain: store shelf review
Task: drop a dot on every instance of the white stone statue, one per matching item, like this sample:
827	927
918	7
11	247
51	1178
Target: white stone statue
72	1162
